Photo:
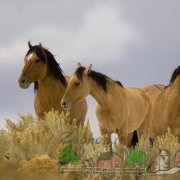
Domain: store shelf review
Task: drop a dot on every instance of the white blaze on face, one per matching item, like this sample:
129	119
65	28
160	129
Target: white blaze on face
30	56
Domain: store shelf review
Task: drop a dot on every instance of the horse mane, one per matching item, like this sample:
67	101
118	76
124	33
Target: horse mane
99	78
175	73
119	83
54	67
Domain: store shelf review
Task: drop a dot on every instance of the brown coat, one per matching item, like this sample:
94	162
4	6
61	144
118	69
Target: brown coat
119	110
42	69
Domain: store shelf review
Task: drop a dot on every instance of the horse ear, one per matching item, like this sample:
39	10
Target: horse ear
29	44
88	69
42	49
78	64
40	45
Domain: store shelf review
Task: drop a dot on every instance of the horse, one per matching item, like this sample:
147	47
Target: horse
152	91
166	109
119	110
42	69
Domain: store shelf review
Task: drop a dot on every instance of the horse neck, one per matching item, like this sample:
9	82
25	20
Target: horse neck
102	97
50	89
175	86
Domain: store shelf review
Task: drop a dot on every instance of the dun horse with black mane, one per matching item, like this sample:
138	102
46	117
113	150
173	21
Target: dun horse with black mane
50	84
153	91
119	110
166	108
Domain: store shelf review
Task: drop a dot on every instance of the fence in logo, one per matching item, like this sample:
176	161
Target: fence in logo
94	170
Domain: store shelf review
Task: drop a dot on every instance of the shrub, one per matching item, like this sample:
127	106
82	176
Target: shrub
29	138
168	141
68	155
137	157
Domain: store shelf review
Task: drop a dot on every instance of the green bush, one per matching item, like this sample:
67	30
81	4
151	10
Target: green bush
137	157
68	155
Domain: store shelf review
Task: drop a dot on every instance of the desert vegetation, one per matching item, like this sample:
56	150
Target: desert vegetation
30	147
29	141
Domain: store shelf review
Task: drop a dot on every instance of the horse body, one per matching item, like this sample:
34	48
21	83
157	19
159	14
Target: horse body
125	111
49	94
166	109
152	91
140	105
50	84
119	110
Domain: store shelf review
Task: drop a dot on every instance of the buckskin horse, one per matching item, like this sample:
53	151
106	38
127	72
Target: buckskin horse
153	91
166	108
50	84
119	110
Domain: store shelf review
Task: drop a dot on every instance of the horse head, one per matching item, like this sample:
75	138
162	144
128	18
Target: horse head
35	67
78	87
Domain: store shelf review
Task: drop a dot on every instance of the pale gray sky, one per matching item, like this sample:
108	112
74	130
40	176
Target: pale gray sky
134	41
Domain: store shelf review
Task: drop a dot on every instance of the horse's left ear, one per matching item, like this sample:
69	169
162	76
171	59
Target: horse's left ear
88	69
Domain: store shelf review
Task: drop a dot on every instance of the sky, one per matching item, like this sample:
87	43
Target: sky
134	41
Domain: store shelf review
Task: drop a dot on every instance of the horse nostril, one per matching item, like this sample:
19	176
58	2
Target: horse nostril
64	103
22	80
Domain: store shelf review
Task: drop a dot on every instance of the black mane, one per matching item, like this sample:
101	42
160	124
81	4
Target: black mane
175	73
52	63
119	83
99	78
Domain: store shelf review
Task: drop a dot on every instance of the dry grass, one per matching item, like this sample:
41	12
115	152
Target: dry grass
167	141
24	141
31	146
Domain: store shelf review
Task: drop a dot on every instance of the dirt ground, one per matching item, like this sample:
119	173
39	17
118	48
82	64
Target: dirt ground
77	176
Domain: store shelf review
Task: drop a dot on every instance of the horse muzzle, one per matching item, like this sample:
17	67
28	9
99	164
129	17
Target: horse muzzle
24	82
65	104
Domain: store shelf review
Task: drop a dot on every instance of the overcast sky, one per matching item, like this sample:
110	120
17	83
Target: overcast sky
134	41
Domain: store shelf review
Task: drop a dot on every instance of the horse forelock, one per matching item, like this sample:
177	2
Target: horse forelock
79	72
38	52
175	73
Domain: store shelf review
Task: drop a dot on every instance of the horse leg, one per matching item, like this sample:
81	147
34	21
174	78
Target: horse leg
133	139
176	132
123	140
106	136
149	135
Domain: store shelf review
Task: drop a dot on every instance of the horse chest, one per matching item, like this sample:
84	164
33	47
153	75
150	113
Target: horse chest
109	122
46	104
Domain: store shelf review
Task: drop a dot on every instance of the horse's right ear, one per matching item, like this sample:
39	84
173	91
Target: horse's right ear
29	44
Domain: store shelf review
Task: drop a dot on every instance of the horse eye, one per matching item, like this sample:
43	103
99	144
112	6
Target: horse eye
37	60
77	83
